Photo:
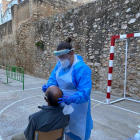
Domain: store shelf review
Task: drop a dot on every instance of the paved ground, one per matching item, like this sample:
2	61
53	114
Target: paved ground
111	122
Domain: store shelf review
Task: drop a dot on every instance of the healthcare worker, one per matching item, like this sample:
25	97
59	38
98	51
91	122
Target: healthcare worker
73	77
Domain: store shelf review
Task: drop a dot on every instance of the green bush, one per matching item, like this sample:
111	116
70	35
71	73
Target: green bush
40	44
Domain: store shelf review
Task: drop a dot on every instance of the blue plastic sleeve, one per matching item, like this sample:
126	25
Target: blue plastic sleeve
84	87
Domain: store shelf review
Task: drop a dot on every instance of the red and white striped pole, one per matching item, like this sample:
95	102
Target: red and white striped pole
111	61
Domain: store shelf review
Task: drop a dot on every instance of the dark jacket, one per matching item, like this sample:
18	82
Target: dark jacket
47	119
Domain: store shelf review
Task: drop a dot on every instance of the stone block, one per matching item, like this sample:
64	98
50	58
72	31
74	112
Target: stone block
123	63
139	74
117	14
96	70
91	64
127	1
138	83
106	64
107	46
95	26
91	57
123	57
131	65
97	64
133	72
128	10
75	35
103	31
105	49
96	52
97	19
64	31
45	52
124	26
131	77
132	21
137	15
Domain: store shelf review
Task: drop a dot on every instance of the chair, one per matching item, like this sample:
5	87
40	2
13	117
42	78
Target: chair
51	135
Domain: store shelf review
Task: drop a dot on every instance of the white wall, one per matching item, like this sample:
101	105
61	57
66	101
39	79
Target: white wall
9	5
7	15
0	13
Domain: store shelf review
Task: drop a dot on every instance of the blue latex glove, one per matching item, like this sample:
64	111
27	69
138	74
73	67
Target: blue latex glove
67	99
44	88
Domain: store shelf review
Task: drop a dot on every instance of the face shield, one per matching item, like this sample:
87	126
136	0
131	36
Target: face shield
63	57
62	52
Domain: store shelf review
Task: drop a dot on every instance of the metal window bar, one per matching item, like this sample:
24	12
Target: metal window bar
15	73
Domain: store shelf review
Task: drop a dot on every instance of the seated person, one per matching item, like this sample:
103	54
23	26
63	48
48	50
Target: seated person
48	118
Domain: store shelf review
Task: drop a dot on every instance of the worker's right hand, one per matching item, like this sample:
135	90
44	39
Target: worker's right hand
67	99
44	88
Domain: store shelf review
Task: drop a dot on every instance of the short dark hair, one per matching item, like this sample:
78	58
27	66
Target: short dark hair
65	44
51	99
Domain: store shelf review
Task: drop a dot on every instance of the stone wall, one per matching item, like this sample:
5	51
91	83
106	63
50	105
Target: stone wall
18	34
86	1
8	51
20	14
91	27
5	29
40	9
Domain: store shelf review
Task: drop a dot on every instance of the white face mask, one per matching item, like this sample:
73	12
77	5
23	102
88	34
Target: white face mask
65	63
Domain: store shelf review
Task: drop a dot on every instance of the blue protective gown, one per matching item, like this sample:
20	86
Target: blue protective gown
81	78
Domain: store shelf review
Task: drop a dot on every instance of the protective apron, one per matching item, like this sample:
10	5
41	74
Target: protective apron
77	124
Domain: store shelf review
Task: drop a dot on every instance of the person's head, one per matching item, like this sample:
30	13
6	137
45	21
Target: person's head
52	95
65	44
69	56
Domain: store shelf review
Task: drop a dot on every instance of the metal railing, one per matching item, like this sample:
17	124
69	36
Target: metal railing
15	73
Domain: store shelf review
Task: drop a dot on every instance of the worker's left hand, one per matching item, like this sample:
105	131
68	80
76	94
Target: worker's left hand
66	99
44	88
